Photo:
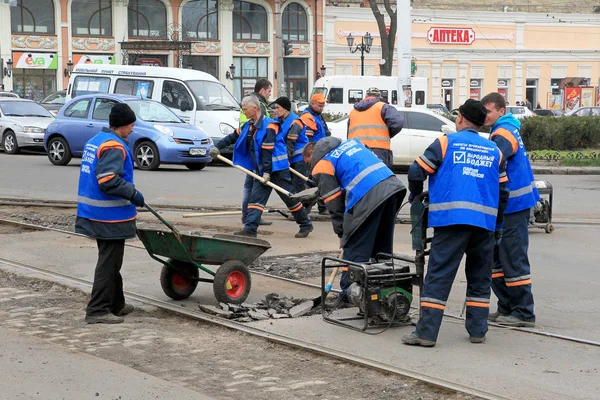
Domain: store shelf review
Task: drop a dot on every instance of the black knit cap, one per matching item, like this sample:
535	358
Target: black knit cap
473	111
121	115
284	102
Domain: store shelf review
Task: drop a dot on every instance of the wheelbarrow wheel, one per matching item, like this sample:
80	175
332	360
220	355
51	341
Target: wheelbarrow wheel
180	282
232	282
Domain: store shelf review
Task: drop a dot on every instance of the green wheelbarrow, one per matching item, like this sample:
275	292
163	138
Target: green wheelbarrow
186	254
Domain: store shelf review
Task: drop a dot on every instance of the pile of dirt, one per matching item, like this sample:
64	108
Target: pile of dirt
65	221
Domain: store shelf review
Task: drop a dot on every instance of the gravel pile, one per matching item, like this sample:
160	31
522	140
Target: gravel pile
58	221
273	306
299	266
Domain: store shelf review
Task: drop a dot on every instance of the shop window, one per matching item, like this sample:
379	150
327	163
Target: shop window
91	17
294	24
175	95
33	16
208	64
354	96
34	84
90	85
79	109
102	109
249	22
200	19
424	122
147	18
135	87
531	91
336	96
250	70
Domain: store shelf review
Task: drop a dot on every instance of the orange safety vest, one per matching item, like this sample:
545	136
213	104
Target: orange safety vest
369	128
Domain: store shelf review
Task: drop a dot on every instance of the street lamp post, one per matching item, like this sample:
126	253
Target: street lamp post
365	47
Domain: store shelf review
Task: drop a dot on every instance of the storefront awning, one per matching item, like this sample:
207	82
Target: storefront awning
572	82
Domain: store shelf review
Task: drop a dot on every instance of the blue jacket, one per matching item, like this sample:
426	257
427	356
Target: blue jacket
467	181
93	203
294	132
316	127
523	194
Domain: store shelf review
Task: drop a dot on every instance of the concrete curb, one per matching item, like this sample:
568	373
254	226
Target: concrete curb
547	170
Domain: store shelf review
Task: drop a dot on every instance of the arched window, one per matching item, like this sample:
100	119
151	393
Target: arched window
294	24
147	18
200	19
32	16
91	17
249	22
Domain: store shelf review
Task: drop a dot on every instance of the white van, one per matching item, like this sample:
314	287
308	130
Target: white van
342	91
197	97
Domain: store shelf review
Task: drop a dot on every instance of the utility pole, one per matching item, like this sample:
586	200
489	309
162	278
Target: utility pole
280	51
403	40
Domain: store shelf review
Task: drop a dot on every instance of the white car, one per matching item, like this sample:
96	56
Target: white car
520	112
22	124
421	128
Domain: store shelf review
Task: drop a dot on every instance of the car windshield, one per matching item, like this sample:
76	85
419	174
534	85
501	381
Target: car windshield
24	109
213	96
152	111
55	98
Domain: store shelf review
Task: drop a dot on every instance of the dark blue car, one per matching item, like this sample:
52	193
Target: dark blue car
159	136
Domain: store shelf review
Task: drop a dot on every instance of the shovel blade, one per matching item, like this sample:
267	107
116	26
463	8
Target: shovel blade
306	195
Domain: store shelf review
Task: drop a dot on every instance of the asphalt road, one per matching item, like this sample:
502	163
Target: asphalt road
32	176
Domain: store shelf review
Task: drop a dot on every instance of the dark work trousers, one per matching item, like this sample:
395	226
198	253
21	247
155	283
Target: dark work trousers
448	246
107	290
299	183
260	195
375	235
511	276
386	156
246	196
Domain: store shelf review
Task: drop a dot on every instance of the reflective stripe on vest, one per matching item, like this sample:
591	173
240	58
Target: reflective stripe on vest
241	151
369	127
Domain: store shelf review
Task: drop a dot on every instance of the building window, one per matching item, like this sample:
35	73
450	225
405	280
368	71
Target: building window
91	17
249	22
32	16
208	64
34	84
503	85
250	70
531	91
295	26
200	19
147	18
475	88
555	85
296	77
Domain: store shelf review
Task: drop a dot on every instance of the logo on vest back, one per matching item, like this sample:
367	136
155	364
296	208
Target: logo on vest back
460	157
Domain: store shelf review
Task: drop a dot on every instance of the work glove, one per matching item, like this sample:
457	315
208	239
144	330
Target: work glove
266	178
411	198
137	199
214	152
498	236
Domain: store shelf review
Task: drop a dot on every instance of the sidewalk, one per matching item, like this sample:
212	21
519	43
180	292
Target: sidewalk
33	368
550	170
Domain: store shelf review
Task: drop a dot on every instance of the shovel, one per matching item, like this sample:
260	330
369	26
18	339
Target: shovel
318	300
164	221
305	178
302	196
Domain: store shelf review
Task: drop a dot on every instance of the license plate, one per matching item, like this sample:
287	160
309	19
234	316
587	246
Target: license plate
197	152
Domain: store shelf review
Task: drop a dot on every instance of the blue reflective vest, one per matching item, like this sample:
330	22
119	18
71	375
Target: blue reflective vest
241	150
523	193
465	190
357	169
92	202
321	132
301	141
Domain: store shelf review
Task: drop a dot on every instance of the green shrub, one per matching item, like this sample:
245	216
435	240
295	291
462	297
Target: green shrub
328	117
565	133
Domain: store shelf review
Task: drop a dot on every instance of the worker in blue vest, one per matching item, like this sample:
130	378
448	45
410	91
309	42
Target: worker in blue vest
257	149
293	132
467	198
362	195
106	202
511	276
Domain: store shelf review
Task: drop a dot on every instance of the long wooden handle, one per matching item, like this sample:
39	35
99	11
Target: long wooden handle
334	272
213	214
255	176
293	171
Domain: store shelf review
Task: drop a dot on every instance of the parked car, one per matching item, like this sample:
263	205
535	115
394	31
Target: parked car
584	112
439	108
54	101
159	136
9	95
421	128
22	124
541	112
520	112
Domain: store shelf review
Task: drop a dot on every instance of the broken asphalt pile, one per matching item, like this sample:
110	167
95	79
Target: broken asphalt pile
298	266
273	306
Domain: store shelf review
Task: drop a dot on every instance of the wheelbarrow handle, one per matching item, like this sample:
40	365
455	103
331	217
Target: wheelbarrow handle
164	221
255	176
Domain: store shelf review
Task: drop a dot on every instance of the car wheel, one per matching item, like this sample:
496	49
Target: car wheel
196	167
59	152
10	143
146	156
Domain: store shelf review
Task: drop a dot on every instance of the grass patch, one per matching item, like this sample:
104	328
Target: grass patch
573	162
575	158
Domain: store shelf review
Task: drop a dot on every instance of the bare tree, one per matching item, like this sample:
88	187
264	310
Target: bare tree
388	41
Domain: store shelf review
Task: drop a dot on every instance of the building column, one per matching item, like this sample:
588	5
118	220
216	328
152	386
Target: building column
436	84
120	27
519	95
226	38
463	86
5	43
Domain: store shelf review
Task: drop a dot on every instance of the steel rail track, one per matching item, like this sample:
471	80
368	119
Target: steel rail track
308	284
271	336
